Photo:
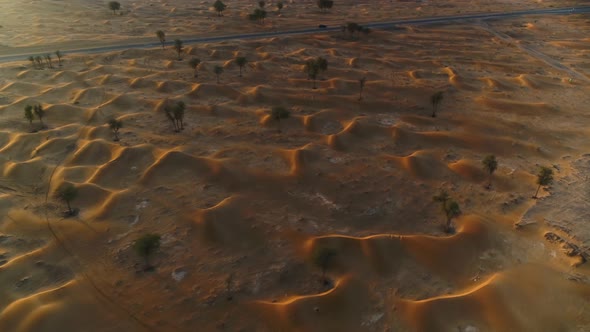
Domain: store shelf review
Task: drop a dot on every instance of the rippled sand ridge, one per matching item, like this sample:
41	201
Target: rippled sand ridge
244	203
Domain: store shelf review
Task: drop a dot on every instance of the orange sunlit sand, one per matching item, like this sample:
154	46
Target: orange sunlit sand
285	208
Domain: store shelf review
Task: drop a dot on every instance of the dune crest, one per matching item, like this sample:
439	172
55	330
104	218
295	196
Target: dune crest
317	217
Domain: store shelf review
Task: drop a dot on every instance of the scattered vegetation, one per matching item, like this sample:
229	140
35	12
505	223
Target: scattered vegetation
452	210
170	116
449	207
59	55
146	246
175	113
219	7
34	111
35	61
39	61
324	258
178	47
29	115
490	164
544	178
312	70
278	113
67	193
362	82
313	67
194	64
323	5
365	30
218	70
179	114
279	6
322	63
435	100
441	197
47	57
115	126
228	286
161	37
241	62
114	6
40	113
353	28
259	15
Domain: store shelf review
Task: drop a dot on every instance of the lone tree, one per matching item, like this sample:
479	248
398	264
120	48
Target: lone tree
175	113
261	15
229	280
241	61
279	6
352	27
435	100
169	111
114	6
40	113
313	68
115	126
544	178
178	47
278	113
219	7
218	70
261	4
442	197
48	60
67	193
449	207
59	55
362	82
323	258
325	4
194	64
322	63
452	210
162	37
178	113
39	61
32	59
490	164
258	15
146	246
29	114
343	30
365	30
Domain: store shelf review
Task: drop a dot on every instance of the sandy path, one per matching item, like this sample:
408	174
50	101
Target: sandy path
535	53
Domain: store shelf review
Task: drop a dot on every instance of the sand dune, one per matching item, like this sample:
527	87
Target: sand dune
348	298
244	202
481	304
45	311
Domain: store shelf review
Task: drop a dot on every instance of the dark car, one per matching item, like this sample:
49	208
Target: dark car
322	26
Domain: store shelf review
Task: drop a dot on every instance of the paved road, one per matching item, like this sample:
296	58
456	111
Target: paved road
315	30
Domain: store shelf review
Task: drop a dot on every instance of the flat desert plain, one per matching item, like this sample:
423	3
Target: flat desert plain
244	203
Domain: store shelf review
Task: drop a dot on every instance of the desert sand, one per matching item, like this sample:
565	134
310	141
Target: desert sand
241	206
